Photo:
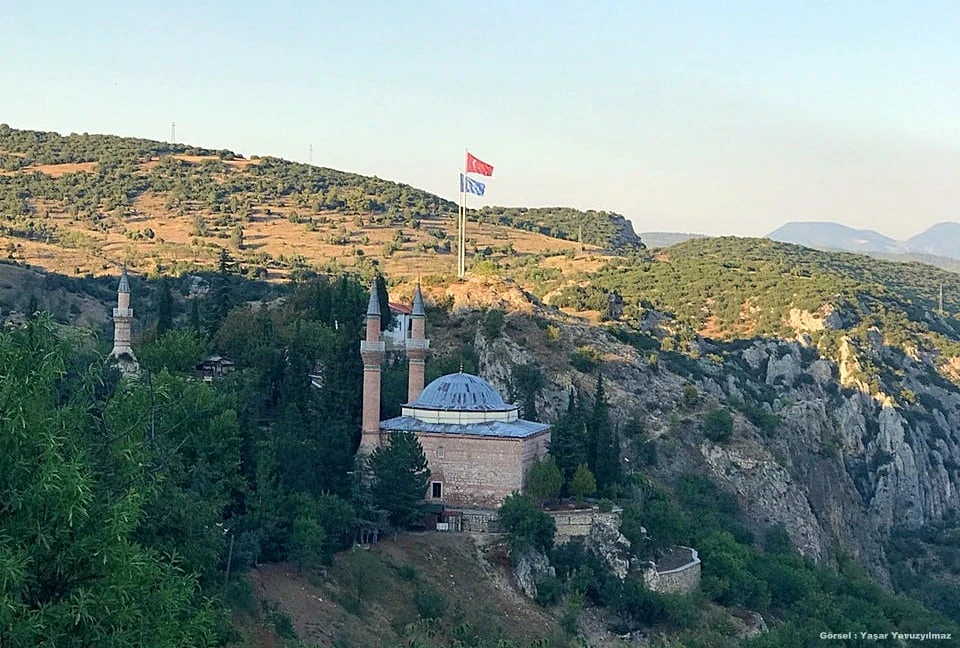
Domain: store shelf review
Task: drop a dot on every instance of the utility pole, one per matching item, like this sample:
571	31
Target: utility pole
310	158
173	132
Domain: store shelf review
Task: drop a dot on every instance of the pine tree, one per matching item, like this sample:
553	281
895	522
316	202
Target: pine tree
164	307
386	316
568	438
400	476
604	442
222	294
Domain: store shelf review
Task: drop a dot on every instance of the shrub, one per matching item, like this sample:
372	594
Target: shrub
491	323
584	483
690	396
526	525
430	603
585	359
718	425
307	540
548	590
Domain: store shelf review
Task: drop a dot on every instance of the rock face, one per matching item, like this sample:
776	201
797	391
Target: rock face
529	567
850	456
606	541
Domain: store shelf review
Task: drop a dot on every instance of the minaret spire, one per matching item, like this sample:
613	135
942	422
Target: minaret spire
371	350
417	346
122	328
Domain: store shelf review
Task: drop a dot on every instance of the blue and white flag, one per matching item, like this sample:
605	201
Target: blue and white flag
470	185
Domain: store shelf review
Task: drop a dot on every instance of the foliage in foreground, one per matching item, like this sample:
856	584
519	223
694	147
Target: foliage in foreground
74	566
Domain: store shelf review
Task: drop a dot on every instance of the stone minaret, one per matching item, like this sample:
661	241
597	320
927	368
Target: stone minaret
122	328
371	350
417	346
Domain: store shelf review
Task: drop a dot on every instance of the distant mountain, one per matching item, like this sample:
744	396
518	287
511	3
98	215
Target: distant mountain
942	239
666	239
834	236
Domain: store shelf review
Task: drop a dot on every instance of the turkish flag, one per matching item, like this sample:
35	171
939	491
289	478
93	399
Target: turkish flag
475	165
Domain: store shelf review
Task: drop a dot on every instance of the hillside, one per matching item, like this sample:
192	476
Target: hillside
84	204
791	414
812	439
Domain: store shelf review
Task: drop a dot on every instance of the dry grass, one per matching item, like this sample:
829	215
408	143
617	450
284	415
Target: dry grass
474	580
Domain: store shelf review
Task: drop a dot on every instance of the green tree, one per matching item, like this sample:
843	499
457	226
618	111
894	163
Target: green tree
164	307
383	297
236	237
175	351
718	425
399	478
545	479
526	381
307	540
583	484
568	440
71	571
526	525
604	451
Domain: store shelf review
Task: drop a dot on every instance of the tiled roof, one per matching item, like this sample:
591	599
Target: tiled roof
519	429
400	308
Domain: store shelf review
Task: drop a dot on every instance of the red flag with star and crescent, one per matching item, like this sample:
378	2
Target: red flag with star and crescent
475	165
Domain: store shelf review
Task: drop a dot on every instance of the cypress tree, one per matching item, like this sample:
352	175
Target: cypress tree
164	308
567	441
386	317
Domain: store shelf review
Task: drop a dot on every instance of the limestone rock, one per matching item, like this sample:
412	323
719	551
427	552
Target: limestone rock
607	542
529	566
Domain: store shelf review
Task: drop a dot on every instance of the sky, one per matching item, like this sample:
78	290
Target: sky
719	117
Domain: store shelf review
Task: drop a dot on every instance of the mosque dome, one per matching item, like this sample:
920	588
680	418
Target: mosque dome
461	392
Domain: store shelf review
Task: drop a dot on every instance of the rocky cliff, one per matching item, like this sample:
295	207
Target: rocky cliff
836	454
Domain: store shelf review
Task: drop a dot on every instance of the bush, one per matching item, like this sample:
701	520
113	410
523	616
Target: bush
584	484
570	619
307	540
548	590
491	323
526	525
585	359
690	396
430	603
718	425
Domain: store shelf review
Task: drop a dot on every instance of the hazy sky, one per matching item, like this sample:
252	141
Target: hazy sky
712	116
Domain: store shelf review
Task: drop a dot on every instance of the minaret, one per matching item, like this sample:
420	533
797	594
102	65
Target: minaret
371	350
122	326
417	346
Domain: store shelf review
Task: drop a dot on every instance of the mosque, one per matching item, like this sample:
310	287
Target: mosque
478	448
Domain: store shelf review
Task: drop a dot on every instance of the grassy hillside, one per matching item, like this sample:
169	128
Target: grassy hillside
85	203
729	287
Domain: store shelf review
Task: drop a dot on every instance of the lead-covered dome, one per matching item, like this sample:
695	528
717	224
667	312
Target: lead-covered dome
463	393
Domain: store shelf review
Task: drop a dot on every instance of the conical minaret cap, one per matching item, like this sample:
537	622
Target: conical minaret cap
418	302
124	286
373	308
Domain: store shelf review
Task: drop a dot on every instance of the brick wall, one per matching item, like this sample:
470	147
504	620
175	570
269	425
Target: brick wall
479	472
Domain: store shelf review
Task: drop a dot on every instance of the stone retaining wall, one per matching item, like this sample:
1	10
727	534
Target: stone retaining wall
576	523
681	580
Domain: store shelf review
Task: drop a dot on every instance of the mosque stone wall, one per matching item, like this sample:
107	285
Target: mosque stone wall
476	472
479	472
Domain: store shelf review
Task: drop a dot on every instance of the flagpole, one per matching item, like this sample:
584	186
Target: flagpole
463	228
460	230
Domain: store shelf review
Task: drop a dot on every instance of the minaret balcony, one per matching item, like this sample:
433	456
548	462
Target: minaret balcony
123	312
374	347
414	345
